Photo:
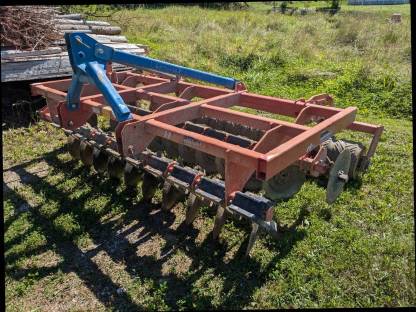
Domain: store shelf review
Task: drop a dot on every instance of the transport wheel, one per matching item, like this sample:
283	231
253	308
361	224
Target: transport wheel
285	184
338	176
335	147
253	184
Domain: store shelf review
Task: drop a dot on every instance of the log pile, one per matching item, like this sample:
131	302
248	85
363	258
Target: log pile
42	54
27	28
75	23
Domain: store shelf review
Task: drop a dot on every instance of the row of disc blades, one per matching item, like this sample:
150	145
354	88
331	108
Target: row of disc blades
280	187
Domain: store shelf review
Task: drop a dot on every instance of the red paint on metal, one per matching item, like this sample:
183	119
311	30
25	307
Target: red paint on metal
283	144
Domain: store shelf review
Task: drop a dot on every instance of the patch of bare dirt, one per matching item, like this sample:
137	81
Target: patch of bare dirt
14	177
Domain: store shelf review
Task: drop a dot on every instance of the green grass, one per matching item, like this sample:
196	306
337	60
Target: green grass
75	240
357	56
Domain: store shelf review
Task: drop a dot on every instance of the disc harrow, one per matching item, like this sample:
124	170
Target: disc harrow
186	138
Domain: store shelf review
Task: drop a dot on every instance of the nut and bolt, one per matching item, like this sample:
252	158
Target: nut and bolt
342	176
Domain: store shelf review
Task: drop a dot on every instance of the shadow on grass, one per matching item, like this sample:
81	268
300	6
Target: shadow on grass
241	276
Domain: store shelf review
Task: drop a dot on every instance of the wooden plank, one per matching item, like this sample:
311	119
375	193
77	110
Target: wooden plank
102	39
80	22
109	38
70	16
54	66
15	71
72	27
106	30
71	31
131	48
67	21
29	58
18	53
122	46
40	69
97	23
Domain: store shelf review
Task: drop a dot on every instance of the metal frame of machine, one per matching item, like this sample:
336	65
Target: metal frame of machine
96	90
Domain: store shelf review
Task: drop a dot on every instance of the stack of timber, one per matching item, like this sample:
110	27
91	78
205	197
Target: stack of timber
53	62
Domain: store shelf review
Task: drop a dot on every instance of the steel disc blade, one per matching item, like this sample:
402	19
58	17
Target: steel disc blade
193	204
206	161
230	127
187	154
335	182
239	128
221	125
285	184
171	148
73	147
253	184
149	186
93	121
246	132
99	160
211	122
115	168
357	150
86	151
220	165
132	175
171	196
113	124
156	145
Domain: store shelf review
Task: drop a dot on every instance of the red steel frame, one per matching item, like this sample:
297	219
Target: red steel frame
284	143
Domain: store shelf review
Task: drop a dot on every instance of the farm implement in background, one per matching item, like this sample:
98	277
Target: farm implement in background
187	139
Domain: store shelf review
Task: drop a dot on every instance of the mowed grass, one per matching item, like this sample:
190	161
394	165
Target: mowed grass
76	240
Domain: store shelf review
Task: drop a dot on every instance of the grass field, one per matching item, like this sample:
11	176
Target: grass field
76	241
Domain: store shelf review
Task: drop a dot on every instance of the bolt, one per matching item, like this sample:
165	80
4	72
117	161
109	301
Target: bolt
74	106
100	51
342	176
70	123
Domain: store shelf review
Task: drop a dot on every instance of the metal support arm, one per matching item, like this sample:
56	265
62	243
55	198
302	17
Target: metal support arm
89	58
